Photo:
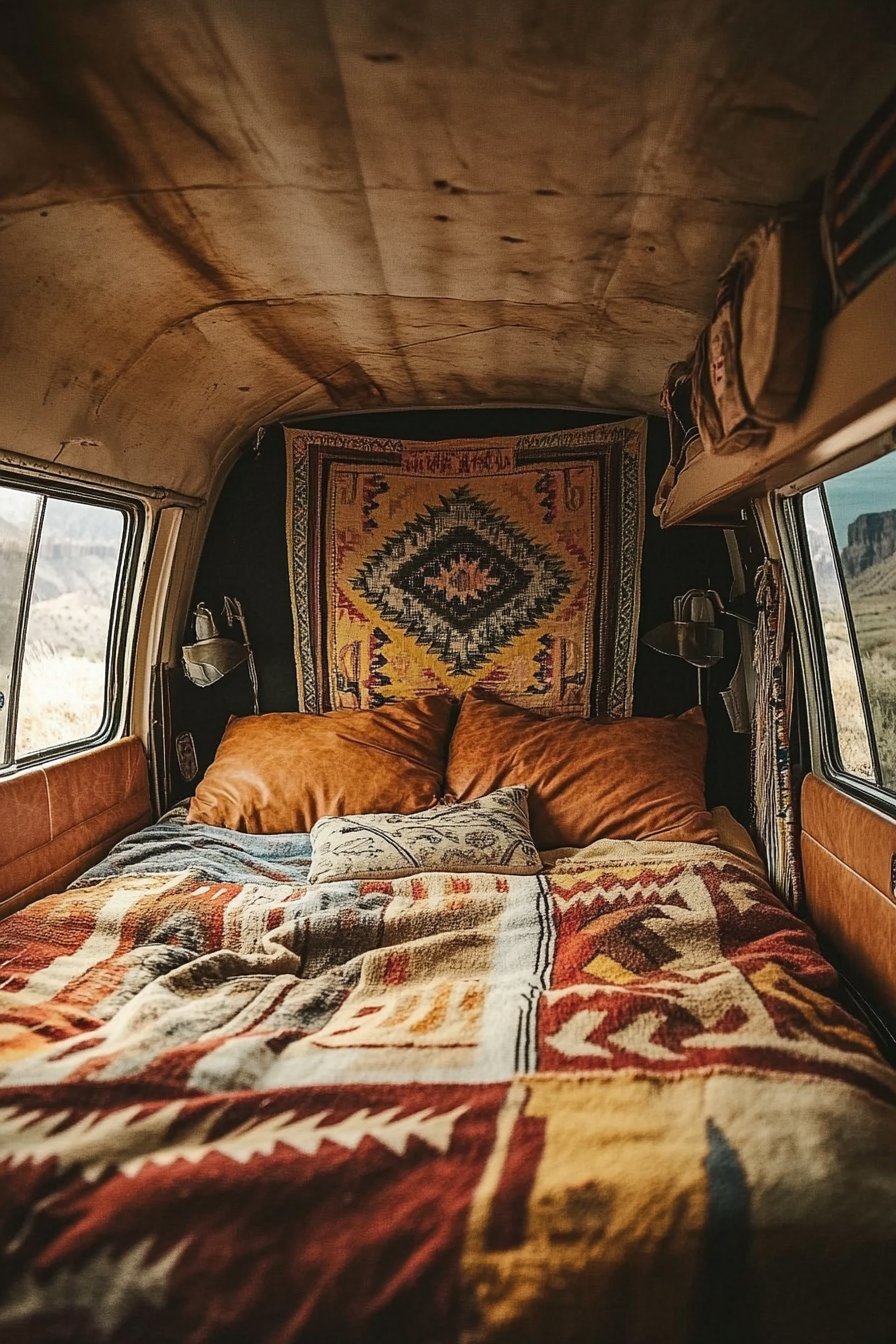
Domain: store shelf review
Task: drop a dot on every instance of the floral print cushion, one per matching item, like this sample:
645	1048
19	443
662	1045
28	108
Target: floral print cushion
487	835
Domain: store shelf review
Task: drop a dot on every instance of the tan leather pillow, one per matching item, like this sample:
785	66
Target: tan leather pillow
282	772
632	779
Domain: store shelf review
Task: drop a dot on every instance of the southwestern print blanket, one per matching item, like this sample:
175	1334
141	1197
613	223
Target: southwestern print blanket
616	1102
509	563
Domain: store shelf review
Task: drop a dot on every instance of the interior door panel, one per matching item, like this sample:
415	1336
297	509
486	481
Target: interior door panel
61	818
848	854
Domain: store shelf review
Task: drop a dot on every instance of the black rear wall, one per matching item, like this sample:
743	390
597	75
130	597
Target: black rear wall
245	556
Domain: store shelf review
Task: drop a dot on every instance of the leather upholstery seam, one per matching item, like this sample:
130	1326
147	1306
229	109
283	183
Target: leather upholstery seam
49	802
105	844
862	811
82	821
887	896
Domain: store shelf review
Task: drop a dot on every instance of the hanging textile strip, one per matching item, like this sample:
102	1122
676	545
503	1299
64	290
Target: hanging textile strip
772	785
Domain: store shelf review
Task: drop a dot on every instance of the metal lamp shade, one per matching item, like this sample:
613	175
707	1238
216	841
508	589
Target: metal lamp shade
213	655
208	660
698	642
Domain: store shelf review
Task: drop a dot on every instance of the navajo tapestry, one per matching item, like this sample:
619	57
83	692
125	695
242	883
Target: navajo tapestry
511	563
614	1102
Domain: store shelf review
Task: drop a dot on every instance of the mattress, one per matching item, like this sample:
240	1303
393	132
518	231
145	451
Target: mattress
616	1101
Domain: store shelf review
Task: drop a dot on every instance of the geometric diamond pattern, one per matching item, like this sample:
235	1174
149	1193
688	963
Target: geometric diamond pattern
511	563
462	580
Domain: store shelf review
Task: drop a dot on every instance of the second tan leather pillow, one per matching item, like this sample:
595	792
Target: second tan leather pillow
633	779
282	772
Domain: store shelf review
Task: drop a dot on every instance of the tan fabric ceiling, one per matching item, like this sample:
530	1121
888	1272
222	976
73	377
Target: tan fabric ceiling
217	213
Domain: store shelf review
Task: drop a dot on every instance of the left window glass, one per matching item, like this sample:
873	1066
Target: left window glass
60	572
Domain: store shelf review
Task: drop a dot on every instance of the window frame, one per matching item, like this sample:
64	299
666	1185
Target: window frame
124	595
810	630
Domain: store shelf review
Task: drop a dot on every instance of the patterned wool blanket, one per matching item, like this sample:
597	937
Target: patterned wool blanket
617	1103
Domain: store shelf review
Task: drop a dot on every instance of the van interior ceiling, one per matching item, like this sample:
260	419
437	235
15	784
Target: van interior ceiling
448	671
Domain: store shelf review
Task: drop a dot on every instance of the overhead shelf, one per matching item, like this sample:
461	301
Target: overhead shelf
855	377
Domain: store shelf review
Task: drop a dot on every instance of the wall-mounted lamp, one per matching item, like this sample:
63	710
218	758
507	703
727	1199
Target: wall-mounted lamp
693	635
213	655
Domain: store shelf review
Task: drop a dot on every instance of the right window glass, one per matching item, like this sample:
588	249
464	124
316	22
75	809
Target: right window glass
850	526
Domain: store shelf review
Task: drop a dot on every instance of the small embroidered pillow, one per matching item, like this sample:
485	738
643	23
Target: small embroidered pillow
487	835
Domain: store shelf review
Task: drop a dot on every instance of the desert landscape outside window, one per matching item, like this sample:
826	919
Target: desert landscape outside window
60	562
850	526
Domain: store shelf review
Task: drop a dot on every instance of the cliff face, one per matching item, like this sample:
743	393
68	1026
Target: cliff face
871	539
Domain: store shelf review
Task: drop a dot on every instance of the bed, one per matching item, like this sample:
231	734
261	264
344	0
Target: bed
616	1099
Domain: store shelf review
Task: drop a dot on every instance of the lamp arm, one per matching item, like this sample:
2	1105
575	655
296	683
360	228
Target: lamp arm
233	611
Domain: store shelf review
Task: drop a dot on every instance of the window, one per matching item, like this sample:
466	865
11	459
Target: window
61	566
849	526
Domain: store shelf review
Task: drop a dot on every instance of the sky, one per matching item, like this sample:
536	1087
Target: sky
868	489
65	519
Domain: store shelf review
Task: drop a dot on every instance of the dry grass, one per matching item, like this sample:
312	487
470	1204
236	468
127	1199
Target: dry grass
851	731
873	603
880	679
62	698
873	600
64	671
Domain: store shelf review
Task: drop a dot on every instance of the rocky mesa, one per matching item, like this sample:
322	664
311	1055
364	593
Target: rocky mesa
871	538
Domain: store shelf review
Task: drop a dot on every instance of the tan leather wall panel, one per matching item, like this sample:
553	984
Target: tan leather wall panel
855	917
863	839
847	851
58	820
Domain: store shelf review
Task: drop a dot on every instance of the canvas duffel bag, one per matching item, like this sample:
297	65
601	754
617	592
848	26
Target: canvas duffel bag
752	362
